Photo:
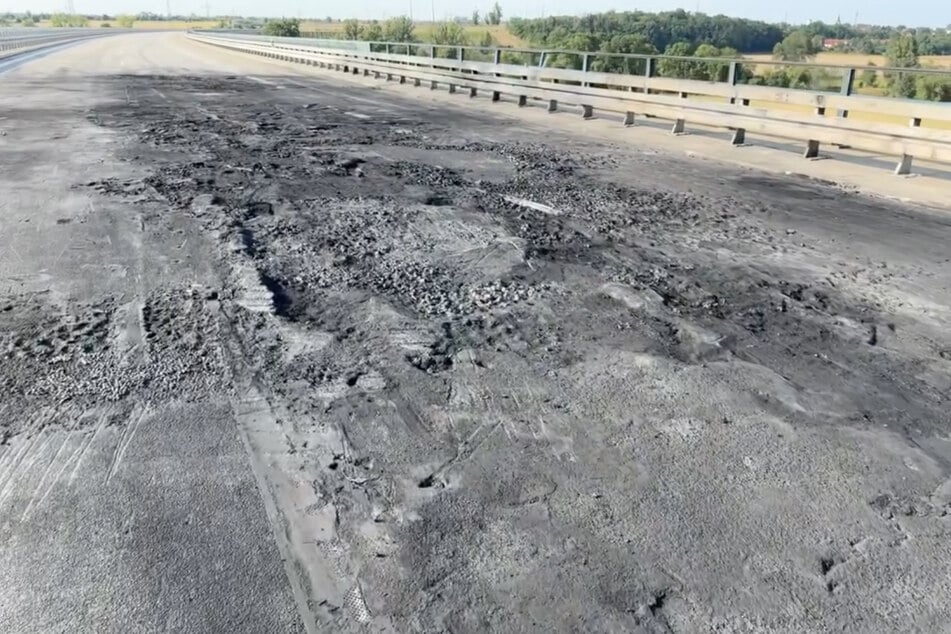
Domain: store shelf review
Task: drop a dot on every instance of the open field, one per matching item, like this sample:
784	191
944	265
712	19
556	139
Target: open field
858	59
424	30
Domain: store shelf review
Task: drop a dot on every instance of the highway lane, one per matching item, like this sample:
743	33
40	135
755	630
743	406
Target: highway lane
119	513
284	354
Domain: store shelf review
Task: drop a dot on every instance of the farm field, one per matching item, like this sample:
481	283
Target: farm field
860	59
424	30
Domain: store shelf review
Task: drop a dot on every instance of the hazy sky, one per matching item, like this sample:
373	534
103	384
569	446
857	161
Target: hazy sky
909	12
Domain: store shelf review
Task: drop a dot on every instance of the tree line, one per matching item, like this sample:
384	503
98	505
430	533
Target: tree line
660	30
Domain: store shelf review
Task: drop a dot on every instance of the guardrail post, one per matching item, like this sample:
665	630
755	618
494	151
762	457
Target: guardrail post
587	112
739	136
679	124
650	70
417	82
629	119
812	150
731	78
522	101
473	92
433	85
915	122
452	89
386	48
848	80
904	165
498	56
496	95
460	54
553	105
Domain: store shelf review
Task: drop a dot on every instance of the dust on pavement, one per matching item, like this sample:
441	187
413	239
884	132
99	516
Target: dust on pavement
493	381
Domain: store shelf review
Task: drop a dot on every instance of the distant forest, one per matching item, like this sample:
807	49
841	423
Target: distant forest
661	30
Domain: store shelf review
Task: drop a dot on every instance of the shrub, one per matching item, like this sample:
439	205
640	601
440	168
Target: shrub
288	27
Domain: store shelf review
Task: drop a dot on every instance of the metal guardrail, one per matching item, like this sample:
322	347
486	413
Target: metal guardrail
775	112
346	45
12	39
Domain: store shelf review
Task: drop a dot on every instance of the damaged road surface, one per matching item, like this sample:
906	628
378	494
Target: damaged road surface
283	355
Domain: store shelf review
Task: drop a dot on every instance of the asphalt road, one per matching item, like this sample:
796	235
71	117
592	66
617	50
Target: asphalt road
281	354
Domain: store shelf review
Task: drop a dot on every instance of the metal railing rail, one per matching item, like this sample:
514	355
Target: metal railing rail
23	38
717	104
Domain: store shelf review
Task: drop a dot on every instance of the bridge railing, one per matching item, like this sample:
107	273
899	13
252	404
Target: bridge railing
14	40
904	128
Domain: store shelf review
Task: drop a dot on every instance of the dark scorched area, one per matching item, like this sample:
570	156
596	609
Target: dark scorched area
569	386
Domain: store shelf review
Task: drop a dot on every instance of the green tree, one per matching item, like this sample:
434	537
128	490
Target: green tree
373	32
125	21
661	29
495	15
351	29
933	88
678	68
400	29
575	42
714	70
486	41
449	34
286	27
795	47
624	45
475	17
869	77
902	52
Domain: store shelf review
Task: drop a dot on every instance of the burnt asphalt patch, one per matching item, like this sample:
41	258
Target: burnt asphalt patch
510	346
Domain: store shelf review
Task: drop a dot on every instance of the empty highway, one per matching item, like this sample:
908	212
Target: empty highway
281	352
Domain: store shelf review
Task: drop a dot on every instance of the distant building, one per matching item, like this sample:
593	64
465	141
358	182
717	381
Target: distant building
831	42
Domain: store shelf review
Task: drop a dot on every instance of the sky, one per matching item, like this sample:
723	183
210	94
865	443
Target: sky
892	12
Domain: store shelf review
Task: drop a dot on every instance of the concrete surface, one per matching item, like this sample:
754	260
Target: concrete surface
286	354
